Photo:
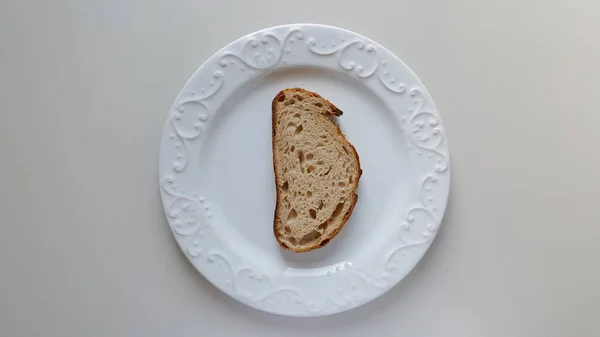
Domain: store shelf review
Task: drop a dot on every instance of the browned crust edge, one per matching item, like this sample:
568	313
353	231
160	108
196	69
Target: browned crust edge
336	112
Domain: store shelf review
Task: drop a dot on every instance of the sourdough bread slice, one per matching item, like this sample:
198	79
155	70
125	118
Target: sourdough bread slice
316	171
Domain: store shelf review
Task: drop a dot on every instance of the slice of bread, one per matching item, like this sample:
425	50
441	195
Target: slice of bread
316	171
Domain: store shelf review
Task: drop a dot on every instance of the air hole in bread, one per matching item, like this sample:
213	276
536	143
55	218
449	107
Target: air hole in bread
293	148
346	150
306	109
285	186
301	159
298	129
298	97
323	227
310	169
296	115
310	237
310	156
287	229
318	104
328	170
309	194
293	215
320	162
321	204
320	145
293	240
313	213
326	241
337	210
350	180
281	98
342	184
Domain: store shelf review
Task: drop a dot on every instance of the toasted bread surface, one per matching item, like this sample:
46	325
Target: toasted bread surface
316	171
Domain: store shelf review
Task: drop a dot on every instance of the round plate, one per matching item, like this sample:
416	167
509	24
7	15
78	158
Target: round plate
217	182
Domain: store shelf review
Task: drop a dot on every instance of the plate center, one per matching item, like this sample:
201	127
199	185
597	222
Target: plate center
239	165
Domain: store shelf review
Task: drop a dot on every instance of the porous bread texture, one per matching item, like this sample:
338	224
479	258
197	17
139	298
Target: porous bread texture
316	171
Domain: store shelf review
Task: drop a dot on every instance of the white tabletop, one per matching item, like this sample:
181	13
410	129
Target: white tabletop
85	87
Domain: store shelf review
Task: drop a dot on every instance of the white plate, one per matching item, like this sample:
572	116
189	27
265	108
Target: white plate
217	182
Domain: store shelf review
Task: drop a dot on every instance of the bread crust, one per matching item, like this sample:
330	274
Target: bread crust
336	112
